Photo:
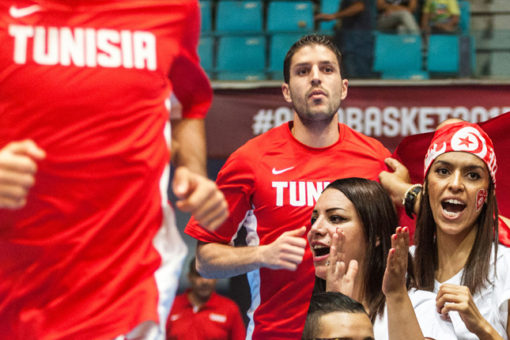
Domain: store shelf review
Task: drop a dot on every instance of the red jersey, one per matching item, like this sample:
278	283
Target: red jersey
271	185
93	254
218	319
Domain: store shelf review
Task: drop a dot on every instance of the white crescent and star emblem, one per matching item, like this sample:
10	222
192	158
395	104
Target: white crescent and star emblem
469	139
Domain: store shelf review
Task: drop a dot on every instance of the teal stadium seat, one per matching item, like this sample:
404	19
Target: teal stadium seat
206	53
239	16
278	47
290	16
329	7
241	58
443	53
398	56
206	16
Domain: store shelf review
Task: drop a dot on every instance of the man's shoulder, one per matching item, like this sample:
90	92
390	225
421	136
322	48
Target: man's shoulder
270	139
352	136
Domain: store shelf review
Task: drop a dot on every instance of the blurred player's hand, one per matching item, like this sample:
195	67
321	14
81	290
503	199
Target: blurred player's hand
286	252
17	172
201	197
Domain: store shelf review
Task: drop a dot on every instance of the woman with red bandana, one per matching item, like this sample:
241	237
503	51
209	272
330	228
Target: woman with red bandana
457	254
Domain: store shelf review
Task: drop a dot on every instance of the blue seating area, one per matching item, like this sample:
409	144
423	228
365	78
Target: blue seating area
241	58
245	40
239	16
290	16
443	53
329	7
398	56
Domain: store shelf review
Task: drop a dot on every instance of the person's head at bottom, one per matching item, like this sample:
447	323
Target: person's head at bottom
333	316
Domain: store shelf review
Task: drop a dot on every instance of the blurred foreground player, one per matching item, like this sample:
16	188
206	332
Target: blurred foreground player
89	246
272	183
201	314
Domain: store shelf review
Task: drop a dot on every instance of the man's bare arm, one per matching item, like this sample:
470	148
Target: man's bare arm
216	260
197	194
189	145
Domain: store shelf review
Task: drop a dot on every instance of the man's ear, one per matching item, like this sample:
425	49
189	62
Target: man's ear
286	92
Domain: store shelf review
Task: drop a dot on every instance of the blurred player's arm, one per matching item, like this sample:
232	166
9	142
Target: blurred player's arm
189	145
197	194
17	172
215	260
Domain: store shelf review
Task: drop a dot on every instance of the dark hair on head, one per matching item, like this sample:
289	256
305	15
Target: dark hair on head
325	303
307	40
476	269
379	218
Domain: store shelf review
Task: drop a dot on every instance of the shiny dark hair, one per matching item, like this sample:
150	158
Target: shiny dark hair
476	269
307	40
324	303
379	219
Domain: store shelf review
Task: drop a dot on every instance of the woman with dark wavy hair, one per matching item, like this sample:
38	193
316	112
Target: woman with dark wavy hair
355	253
457	254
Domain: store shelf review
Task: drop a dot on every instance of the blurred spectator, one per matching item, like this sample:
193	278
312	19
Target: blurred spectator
201	314
354	36
440	16
397	15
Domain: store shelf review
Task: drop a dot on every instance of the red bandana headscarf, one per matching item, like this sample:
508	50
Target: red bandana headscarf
465	137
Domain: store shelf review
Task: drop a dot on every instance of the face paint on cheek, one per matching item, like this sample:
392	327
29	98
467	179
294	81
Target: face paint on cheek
481	197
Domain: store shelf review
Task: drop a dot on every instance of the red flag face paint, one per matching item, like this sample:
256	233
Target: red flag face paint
481	198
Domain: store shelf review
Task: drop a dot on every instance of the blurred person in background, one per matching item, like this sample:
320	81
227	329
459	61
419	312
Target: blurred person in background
201	314
440	16
397	16
354	36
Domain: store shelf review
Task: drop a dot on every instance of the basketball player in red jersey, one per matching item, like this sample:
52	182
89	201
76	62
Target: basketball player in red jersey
272	183
89	246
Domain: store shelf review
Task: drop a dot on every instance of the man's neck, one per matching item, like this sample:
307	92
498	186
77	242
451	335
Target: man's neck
318	134
197	301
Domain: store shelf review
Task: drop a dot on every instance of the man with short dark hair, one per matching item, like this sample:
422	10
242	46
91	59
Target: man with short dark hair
333	315
272	183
